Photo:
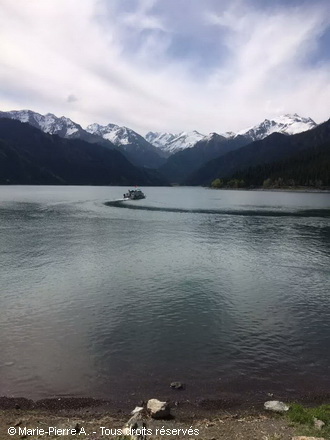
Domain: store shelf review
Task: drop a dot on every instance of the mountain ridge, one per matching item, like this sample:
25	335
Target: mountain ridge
30	156
286	124
51	124
273	148
181	164
171	143
307	168
184	155
159	143
137	150
214	156
136	146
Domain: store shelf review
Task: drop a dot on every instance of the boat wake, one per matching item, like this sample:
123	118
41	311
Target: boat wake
241	212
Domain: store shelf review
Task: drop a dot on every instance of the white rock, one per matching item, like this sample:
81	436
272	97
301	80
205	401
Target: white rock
302	437
136	427
318	423
276	405
158	409
136	410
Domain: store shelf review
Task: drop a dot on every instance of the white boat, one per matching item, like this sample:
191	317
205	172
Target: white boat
134	194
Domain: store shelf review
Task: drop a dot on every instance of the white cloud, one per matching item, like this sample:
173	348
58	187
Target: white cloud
142	18
117	64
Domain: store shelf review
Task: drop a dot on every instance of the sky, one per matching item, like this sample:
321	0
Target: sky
166	65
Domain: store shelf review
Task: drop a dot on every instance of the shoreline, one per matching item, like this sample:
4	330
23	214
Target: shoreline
301	189
95	419
292	190
199	407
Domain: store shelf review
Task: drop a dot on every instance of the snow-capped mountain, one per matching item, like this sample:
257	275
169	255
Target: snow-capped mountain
172	143
228	134
48	123
51	124
115	134
134	146
159	139
285	124
152	150
143	153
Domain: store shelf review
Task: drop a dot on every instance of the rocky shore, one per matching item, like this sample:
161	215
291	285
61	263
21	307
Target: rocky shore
100	420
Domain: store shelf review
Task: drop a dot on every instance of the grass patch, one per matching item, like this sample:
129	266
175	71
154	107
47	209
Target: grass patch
301	415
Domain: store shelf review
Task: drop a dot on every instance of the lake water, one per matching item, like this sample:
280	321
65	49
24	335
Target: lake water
227	291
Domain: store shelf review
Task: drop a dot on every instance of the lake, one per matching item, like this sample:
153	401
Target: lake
226	291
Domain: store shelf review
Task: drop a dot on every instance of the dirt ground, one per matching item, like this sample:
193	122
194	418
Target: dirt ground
83	418
94	426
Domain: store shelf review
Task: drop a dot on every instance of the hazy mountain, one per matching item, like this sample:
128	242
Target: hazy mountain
140	151
273	148
30	156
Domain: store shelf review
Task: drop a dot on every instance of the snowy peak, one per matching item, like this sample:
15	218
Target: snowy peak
285	124
186	140
114	133
140	151
62	126
48	123
158	139
288	124
211	137
154	144
25	116
228	134
171	143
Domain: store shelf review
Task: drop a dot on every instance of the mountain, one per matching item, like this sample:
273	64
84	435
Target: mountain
135	148
159	139
51	124
310	168
285	124
138	149
228	134
171	143
113	133
185	152
181	164
273	148
30	156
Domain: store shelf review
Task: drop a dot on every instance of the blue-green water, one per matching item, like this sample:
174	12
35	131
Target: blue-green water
227	291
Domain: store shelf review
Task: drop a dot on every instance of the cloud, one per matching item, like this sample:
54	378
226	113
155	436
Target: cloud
71	98
174	65
142	19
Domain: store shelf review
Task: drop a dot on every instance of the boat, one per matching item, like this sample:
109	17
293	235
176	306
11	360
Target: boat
134	194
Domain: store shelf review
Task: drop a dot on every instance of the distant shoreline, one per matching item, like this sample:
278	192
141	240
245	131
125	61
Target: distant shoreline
293	190
297	189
